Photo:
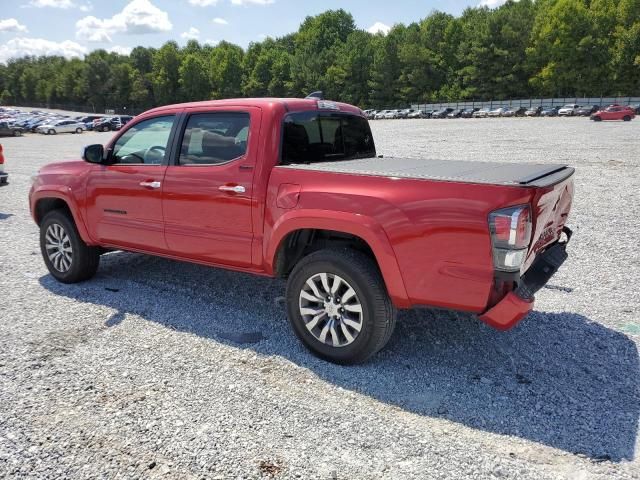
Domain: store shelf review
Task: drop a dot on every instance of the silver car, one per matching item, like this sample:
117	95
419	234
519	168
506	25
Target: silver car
61	126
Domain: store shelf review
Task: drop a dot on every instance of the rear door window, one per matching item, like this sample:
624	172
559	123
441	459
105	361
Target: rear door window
214	138
310	137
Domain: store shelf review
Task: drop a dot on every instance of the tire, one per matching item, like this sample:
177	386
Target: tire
376	318
597	119
57	228
78	130
17	133
51	131
626	118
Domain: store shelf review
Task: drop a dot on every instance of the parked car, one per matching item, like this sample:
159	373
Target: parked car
442	113
468	112
534	111
455	113
549	111
268	198
514	112
482	113
568	110
497	112
405	113
61	126
418	114
8	130
4	176
635	108
614	112
380	115
588	110
111	123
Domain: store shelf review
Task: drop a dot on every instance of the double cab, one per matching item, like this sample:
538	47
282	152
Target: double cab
294	188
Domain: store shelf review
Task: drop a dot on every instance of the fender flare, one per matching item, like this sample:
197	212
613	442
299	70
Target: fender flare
60	194
361	226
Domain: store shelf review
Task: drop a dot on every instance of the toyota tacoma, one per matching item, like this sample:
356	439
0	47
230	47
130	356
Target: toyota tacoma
294	188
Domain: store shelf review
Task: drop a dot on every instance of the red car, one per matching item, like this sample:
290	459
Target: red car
614	112
293	188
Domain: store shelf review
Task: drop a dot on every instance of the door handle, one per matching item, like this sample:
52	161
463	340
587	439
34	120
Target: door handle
232	189
150	184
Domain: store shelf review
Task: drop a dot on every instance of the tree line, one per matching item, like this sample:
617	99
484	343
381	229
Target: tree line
521	49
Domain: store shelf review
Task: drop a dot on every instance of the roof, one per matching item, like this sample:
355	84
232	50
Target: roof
290	104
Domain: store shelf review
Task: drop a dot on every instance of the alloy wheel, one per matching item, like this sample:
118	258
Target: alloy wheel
331	309
59	250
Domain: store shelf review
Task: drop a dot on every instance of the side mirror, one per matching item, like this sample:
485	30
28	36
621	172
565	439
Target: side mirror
93	153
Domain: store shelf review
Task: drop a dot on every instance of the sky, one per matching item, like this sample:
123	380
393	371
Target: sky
75	27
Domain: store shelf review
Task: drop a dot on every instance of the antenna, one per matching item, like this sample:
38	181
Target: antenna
318	95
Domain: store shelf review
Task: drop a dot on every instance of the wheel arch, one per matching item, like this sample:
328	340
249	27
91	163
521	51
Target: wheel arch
46	202
296	236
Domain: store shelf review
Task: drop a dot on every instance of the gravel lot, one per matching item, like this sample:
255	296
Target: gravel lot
158	369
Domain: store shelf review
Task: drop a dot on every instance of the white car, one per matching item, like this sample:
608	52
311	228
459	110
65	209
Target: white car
61	126
497	112
380	115
568	110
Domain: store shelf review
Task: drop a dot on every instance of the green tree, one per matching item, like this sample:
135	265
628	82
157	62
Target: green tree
165	73
194	80
226	70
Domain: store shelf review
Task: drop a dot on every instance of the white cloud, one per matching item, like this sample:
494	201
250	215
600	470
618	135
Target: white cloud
21	46
379	27
11	25
138	17
191	34
203	3
120	50
220	21
51	3
252	2
211	41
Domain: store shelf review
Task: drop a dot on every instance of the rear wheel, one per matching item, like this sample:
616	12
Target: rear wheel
51	131
338	306
65	254
17	133
597	119
78	130
626	118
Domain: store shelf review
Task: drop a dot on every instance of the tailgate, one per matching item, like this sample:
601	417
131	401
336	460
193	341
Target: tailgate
551	206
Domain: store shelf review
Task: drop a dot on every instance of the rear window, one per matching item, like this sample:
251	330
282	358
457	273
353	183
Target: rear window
311	137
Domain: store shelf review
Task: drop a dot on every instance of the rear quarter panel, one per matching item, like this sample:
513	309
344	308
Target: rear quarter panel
437	232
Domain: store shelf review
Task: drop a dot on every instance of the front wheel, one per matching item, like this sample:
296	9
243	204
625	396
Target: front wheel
597	119
65	254
78	130
626	118
51	132
338	306
17	133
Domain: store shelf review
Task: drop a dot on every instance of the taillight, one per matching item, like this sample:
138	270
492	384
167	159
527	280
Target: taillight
510	237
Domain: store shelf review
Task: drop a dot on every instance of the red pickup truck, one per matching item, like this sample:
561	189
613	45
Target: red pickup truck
294	188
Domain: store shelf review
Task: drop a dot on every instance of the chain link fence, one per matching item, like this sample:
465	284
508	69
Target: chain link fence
529	102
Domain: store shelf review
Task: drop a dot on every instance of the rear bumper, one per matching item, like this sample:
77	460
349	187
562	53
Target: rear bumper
515	306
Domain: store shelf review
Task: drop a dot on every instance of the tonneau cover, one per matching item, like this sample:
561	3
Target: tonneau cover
494	173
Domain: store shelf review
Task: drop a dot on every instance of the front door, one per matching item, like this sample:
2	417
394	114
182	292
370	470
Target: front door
207	193
124	198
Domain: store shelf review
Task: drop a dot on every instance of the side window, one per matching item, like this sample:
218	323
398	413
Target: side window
144	143
214	138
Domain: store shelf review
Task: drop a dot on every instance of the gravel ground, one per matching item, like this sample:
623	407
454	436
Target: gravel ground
158	369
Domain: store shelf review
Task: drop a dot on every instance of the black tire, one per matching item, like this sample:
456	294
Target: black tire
362	274
51	131
84	259
17	133
597	119
626	118
78	130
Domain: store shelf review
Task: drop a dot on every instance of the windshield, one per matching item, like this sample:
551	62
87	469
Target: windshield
311	137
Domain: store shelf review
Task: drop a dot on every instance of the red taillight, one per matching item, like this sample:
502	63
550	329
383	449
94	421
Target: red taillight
510	236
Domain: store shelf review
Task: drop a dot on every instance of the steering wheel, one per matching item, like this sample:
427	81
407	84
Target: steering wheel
156	148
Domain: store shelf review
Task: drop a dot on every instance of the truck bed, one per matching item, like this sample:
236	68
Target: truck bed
493	173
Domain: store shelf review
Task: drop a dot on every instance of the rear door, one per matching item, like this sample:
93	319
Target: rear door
208	189
124	198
